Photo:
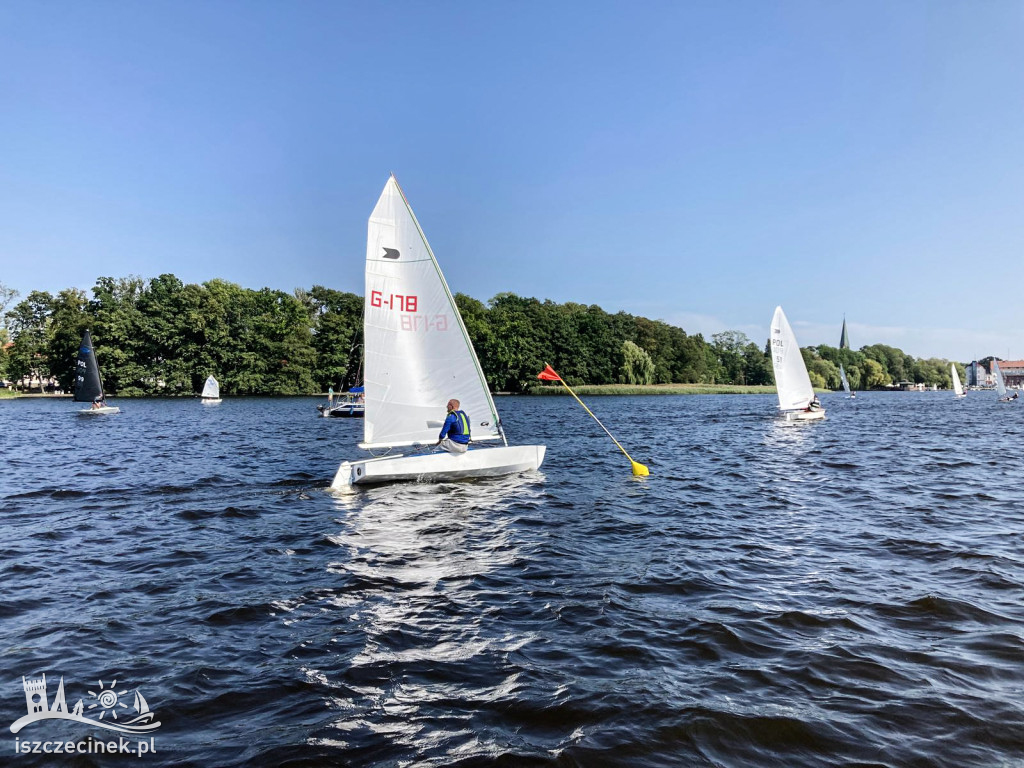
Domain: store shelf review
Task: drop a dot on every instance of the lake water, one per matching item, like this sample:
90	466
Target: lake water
848	592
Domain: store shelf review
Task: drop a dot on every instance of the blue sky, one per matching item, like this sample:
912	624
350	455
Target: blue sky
697	162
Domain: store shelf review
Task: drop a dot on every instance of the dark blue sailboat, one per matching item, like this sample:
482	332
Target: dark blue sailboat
88	383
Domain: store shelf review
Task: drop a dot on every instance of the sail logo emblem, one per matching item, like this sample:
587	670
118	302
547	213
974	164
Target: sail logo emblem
391	253
105	707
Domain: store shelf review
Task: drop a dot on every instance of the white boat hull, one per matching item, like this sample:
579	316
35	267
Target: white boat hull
210	401
346	411
805	415
99	411
441	466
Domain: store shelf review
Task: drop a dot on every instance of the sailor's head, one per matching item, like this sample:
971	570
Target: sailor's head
453	405
98	399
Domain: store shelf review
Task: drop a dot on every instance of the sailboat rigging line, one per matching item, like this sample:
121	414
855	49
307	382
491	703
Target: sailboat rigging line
455	310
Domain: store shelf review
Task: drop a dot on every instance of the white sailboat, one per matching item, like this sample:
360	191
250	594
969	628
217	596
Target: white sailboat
796	395
846	384
418	356
211	392
958	388
1000	384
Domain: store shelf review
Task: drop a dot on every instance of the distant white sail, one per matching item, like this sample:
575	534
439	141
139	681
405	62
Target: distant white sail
1000	386
958	388
791	379
418	354
211	389
842	378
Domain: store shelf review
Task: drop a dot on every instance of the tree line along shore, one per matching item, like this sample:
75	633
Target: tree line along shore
161	336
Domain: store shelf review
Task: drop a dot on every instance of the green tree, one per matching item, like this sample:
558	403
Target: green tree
637	368
69	318
7	295
757	366
28	323
729	347
337	336
117	334
875	375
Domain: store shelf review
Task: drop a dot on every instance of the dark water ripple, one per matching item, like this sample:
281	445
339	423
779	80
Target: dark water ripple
844	593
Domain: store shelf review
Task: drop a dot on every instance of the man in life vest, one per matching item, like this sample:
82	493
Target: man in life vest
455	432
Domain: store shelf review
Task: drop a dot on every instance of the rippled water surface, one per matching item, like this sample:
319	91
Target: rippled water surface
848	592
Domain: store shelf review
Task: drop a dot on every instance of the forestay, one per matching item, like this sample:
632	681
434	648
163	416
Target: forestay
418	354
791	379
211	389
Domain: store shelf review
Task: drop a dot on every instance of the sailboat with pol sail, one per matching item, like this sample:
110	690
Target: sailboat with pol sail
418	357
796	395
88	382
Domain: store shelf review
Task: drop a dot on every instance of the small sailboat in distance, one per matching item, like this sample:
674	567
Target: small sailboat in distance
418	356
958	388
211	392
846	384
1001	385
88	382
796	395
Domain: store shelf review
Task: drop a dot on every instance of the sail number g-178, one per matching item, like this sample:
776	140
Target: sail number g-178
393	301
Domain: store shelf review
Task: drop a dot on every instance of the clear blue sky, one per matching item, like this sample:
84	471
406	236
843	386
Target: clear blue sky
697	162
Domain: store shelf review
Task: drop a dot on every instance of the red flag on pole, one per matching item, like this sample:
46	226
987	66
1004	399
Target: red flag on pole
548	374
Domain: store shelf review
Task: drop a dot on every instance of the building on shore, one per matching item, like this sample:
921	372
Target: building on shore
1013	372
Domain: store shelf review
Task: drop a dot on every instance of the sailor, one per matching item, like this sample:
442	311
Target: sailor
815	404
454	436
98	402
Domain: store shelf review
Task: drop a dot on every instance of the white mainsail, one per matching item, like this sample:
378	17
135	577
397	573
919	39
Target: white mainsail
958	388
211	389
842	378
791	379
1000	385
418	353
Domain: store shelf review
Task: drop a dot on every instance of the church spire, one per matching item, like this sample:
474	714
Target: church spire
844	340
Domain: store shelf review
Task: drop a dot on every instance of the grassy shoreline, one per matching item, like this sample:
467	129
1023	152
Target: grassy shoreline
657	389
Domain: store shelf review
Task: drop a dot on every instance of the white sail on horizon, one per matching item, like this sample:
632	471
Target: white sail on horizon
958	388
418	354
791	379
1000	384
